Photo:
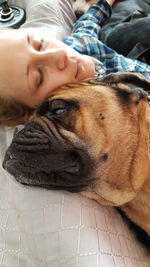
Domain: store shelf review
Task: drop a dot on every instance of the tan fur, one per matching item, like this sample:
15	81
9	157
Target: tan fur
124	179
138	186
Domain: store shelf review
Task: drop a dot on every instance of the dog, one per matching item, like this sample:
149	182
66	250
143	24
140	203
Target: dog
81	6
92	138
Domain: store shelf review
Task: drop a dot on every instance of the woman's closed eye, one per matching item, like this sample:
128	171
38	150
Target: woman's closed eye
36	43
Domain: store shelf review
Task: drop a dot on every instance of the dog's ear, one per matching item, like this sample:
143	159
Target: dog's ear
134	87
131	87
134	79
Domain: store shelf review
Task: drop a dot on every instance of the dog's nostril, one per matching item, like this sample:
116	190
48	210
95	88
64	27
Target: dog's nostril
79	13
11	157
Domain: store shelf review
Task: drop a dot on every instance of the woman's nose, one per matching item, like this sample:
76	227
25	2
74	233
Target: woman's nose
56	57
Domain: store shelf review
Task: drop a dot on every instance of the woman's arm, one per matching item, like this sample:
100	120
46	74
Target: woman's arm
90	23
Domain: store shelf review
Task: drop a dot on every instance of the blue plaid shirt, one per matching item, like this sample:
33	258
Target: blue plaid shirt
84	39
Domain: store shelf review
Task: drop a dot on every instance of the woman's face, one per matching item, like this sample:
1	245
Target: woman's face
31	66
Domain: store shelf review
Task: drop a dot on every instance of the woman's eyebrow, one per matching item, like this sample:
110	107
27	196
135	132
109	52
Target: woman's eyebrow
28	38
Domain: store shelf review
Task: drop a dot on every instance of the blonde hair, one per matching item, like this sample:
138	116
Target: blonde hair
13	113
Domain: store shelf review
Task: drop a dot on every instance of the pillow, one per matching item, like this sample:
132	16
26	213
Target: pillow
46	16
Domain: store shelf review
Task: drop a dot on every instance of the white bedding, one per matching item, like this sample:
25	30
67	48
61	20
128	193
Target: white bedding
44	228
54	17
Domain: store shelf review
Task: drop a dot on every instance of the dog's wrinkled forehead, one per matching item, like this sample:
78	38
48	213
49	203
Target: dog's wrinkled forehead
124	84
130	87
129	78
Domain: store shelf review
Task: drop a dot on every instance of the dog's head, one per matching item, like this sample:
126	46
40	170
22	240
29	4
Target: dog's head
92	137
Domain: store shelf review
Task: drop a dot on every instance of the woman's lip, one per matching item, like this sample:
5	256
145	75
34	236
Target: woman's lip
79	67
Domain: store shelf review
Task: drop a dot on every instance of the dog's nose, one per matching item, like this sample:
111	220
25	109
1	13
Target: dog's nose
18	129
79	13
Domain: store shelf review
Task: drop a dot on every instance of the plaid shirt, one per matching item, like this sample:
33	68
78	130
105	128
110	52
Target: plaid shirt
84	39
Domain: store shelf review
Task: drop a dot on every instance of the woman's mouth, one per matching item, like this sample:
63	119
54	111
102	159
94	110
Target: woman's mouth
85	68
79	69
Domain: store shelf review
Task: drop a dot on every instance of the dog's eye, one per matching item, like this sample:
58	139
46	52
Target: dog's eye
58	108
58	111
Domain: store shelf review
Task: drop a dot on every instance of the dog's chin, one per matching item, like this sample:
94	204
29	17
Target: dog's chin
58	180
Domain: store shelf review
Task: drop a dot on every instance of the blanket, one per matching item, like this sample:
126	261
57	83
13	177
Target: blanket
127	30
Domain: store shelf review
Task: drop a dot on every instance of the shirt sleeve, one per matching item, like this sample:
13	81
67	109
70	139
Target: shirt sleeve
84	39
91	22
86	30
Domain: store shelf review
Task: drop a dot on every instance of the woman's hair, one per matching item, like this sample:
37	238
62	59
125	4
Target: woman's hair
13	113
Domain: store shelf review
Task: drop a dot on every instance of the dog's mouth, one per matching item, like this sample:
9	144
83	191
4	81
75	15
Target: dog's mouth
68	168
52	180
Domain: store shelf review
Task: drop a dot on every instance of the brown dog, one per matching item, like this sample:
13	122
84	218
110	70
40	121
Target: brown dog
82	6
92	138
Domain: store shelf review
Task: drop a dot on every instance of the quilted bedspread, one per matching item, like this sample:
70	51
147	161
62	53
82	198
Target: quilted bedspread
44	228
